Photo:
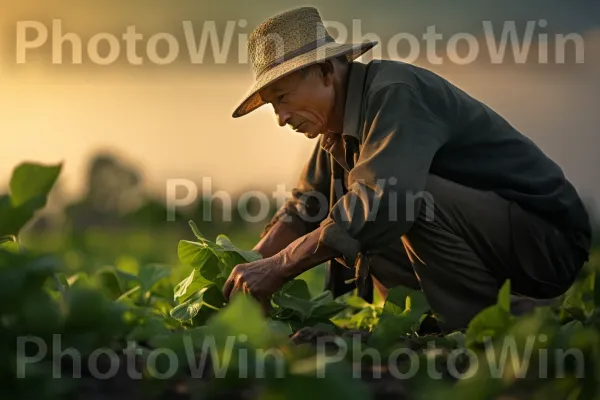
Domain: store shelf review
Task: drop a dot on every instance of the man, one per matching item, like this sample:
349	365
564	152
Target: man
412	182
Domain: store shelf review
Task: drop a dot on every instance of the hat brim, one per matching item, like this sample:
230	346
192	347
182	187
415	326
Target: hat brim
322	53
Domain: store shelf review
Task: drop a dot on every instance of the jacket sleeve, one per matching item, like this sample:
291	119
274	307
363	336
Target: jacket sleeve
308	204
401	135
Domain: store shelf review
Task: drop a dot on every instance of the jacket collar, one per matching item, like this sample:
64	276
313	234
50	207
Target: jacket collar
354	99
352	108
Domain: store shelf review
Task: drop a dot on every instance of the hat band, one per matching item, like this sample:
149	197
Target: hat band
301	50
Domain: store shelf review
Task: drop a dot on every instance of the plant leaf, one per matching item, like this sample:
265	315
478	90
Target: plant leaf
302	308
200	256
149	275
403	308
32	182
30	185
242	315
249	255
296	288
190	285
489	323
196	231
504	296
209	296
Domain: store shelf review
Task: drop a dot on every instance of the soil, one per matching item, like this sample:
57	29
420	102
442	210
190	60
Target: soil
121	386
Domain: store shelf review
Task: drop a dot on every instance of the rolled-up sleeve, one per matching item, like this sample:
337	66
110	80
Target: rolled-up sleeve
308	204
401	135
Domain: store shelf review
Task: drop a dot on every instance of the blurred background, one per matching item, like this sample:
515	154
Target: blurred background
124	129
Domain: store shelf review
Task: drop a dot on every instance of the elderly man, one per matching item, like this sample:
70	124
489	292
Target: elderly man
412	182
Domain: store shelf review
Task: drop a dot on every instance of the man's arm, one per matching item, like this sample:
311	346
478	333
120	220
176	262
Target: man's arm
278	237
291	235
305	253
304	209
264	277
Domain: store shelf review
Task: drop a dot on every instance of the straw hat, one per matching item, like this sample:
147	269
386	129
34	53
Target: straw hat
288	42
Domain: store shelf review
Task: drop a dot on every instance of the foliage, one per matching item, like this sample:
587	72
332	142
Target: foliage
73	302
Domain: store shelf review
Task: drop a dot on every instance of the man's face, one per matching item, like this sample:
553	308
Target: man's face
303	102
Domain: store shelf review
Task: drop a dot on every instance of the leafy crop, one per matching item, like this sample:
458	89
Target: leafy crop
200	294
177	320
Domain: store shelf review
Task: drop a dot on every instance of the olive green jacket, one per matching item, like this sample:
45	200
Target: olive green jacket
401	123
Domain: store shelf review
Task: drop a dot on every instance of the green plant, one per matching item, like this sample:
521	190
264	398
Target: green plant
200	294
132	300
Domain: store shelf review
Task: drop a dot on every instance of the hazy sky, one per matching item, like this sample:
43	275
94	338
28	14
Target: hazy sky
174	120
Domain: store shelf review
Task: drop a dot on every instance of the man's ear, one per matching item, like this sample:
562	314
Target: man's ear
327	72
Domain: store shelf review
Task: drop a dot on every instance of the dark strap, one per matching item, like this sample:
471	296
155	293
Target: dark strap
338	274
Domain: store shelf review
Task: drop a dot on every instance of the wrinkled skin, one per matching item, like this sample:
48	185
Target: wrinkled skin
259	279
310	103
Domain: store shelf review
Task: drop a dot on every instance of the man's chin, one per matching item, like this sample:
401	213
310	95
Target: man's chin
311	135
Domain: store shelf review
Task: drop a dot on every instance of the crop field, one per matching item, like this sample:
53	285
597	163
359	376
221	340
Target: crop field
139	314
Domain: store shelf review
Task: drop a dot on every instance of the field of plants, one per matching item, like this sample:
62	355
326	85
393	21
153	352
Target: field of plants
139	315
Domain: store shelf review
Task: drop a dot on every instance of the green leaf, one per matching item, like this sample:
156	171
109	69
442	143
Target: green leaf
20	274
12	219
196	231
402	311
32	182
490	322
248	255
108	281
326	311
325	306
504	296
209	296
242	315
366	318
279	327
145	324
323	298
190	285
402	300
571	327
193	253
200	256
150	275
302	308
296	288
320	307
90	311
580	299
29	188
357	302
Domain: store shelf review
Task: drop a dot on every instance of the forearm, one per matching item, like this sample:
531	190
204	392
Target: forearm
305	253
279	236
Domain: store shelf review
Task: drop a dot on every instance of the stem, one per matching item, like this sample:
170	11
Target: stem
61	287
127	293
211	306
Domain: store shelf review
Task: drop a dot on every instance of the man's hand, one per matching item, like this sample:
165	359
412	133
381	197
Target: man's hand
259	278
264	277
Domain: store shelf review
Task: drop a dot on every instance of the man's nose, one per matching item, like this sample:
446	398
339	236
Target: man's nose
283	116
